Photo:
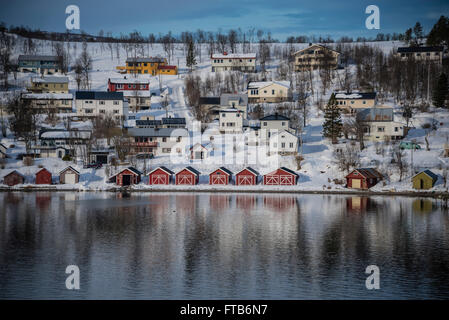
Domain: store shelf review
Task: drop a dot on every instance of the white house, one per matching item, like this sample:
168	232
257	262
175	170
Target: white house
100	103
269	91
201	151
274	123
245	62
283	142
231	120
379	124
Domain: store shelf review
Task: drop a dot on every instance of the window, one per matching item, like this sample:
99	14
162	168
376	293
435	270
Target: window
381	129
116	103
291	144
223	115
352	102
364	102
88	111
396	129
101	102
166	150
272	92
264	124
102	111
116	111
283	123
283	145
164	139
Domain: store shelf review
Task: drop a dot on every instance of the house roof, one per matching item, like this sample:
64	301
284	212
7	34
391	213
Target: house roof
136	93
163	169
275	116
149	59
228	172
166	67
226	97
233	56
420	49
315	45
250	170
98	95
42	169
64	134
189	168
171	120
375	114
133	170
47	96
129	80
69	168
161	132
289	171
210	100
205	145
429	173
25	57
283	132
368	172
15	172
263	84
355	95
148	122
50	79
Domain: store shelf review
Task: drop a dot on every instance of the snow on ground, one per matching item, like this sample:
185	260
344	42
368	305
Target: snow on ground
318	169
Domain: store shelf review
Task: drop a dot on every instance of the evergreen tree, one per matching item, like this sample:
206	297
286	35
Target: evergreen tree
439	35
418	32
332	125
190	58
440	92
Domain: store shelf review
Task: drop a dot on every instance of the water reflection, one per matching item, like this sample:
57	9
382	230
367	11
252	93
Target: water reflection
182	246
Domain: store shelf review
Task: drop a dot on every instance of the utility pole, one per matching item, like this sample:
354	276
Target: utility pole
428	83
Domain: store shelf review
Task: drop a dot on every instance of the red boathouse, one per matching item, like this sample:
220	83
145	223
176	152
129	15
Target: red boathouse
281	177
188	175
220	176
246	177
363	178
127	177
43	176
160	175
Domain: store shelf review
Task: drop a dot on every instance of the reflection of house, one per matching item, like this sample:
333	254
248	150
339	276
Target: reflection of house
163	141
316	56
379	124
188	176
428	54
363	178
49	102
126	177
49	84
245	62
43	176
220	176
422	205
349	101
247	176
160	175
424	180
38	64
357	204
279	203
269	91
13	178
69	176
281	176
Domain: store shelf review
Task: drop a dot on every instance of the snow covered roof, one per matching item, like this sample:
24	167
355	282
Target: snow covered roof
69	168
138	93
149	59
162	168
420	49
354	95
50	79
226	97
282	132
131	80
315	46
162	132
25	57
63	134
48	96
368	173
225	170
250	170
263	84
231	110
233	56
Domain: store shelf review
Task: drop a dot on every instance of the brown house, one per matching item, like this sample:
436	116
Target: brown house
363	178
69	175
13	178
43	176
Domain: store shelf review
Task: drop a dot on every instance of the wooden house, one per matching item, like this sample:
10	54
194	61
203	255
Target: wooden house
424	180
363	178
43	176
127	177
220	176
69	176
247	176
282	176
188	176
160	175
13	178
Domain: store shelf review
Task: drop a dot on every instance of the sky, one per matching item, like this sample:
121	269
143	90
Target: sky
282	18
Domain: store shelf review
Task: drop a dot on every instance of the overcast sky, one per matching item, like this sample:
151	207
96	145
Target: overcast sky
282	17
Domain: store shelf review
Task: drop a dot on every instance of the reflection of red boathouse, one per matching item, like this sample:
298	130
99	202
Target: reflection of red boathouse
245	202
219	202
357	204
278	202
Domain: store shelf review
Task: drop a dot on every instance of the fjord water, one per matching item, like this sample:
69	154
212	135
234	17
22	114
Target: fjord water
222	246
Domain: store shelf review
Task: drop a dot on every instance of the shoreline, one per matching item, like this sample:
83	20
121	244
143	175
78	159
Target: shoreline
196	189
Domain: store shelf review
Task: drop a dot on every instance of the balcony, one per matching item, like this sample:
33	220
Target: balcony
144	144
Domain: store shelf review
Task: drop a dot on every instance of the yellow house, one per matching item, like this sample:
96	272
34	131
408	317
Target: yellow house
351	101
424	180
316	56
269	91
151	65
49	84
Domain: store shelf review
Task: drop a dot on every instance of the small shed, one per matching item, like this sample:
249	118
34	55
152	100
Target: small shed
246	177
69	176
363	178
281	177
127	177
220	176
160	175
424	180
13	178
200	151
188	175
43	176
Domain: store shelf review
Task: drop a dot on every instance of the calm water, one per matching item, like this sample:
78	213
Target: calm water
207	246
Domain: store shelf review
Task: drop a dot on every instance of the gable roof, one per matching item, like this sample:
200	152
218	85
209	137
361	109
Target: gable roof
226	55
192	170
171	120
228	172
226	97
263	84
210	100
275	116
250	170
99	95
161	132
429	173
315	45
26	57
283	131
163	169
42	169
14	172
355	95
368	173
129	80
50	79
69	168
289	171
